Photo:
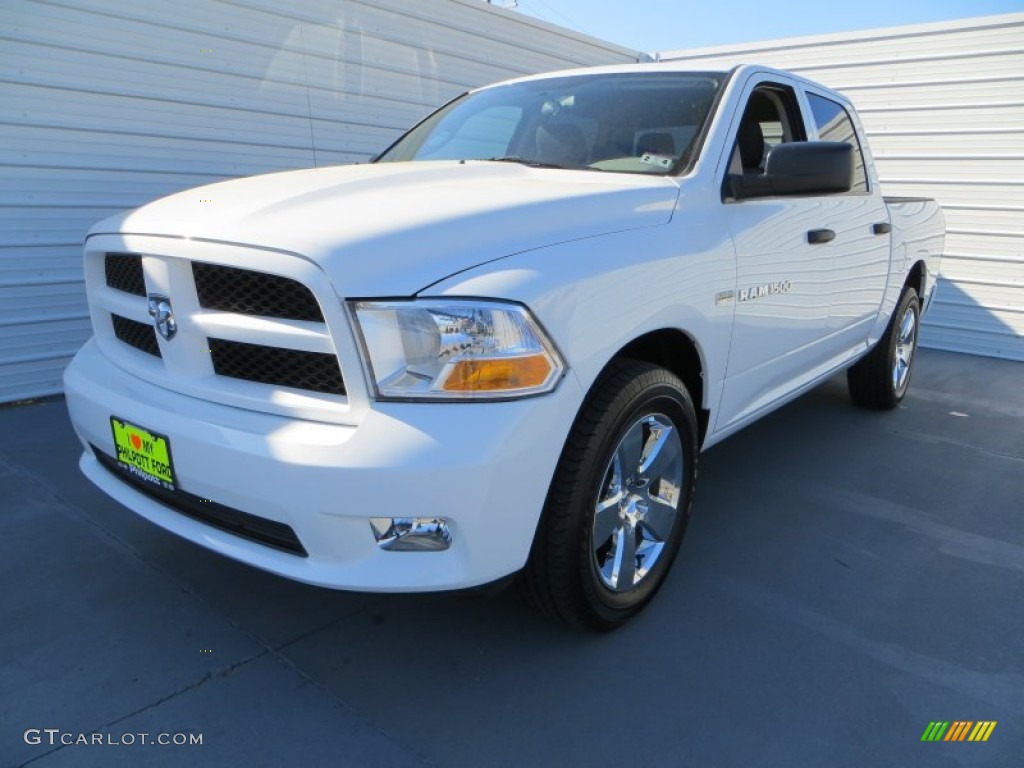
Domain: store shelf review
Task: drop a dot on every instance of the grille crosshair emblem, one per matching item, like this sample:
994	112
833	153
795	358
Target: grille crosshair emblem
163	316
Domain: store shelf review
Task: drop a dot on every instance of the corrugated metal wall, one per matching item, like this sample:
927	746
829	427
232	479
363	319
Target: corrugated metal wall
943	107
107	104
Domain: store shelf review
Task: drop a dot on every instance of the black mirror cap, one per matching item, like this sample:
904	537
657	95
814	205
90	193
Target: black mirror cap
813	166
800	168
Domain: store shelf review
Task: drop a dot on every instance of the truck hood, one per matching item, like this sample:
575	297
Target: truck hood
395	228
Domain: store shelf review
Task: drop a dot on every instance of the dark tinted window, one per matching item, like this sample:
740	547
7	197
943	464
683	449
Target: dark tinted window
834	124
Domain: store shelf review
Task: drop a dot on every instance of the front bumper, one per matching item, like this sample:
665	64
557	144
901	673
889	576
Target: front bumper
485	467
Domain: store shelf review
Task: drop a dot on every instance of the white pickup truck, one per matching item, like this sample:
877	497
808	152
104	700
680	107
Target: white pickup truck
500	347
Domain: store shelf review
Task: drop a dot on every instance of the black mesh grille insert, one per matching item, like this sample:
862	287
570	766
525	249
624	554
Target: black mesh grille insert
139	335
314	371
259	529
124	272
253	293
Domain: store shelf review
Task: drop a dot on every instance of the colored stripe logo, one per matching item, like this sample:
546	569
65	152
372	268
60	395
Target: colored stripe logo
958	730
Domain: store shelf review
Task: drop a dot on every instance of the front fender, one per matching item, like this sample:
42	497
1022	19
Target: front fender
595	295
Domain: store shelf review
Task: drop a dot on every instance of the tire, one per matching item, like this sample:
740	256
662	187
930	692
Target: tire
880	379
633	451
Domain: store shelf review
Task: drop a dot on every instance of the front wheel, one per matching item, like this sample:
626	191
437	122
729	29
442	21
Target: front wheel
880	380
619	501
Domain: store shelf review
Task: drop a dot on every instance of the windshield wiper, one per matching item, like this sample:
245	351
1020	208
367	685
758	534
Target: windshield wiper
521	161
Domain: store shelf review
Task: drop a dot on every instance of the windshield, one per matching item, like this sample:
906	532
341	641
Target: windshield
636	122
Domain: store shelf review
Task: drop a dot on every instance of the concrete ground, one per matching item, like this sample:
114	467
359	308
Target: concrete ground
848	578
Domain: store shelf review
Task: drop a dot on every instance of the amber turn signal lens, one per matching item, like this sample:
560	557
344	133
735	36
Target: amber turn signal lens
509	373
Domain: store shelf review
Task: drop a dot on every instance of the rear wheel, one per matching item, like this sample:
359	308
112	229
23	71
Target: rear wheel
619	501
880	380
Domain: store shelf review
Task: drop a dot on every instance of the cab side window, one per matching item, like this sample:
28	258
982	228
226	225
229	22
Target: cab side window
771	117
834	124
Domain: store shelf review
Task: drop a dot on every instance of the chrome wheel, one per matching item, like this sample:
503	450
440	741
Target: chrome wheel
637	502
620	498
903	355
881	378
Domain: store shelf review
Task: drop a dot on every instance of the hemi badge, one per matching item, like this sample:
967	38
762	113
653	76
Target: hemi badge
723	298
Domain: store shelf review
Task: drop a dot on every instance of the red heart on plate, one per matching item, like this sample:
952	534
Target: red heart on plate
137	442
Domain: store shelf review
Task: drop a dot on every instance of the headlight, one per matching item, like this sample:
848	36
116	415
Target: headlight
455	349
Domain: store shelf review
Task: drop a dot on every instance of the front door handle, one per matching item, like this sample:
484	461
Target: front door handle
816	236
881	228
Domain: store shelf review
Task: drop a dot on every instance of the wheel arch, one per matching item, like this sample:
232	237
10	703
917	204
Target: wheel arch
917	279
678	352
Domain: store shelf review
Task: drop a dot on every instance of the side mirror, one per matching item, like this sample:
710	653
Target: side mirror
799	168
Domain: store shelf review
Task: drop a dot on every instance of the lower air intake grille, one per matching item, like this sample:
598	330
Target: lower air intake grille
258	529
253	293
315	371
124	272
139	335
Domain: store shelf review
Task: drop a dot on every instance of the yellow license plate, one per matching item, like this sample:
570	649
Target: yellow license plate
145	454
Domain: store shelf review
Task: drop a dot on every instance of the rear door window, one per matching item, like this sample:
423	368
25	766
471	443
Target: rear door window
834	124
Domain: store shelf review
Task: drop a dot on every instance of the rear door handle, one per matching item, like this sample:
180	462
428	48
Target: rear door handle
816	236
881	228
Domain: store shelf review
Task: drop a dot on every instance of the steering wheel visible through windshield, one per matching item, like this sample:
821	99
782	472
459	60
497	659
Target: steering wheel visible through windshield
634	122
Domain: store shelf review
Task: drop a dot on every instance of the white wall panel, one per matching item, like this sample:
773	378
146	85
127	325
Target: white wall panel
108	104
943	107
